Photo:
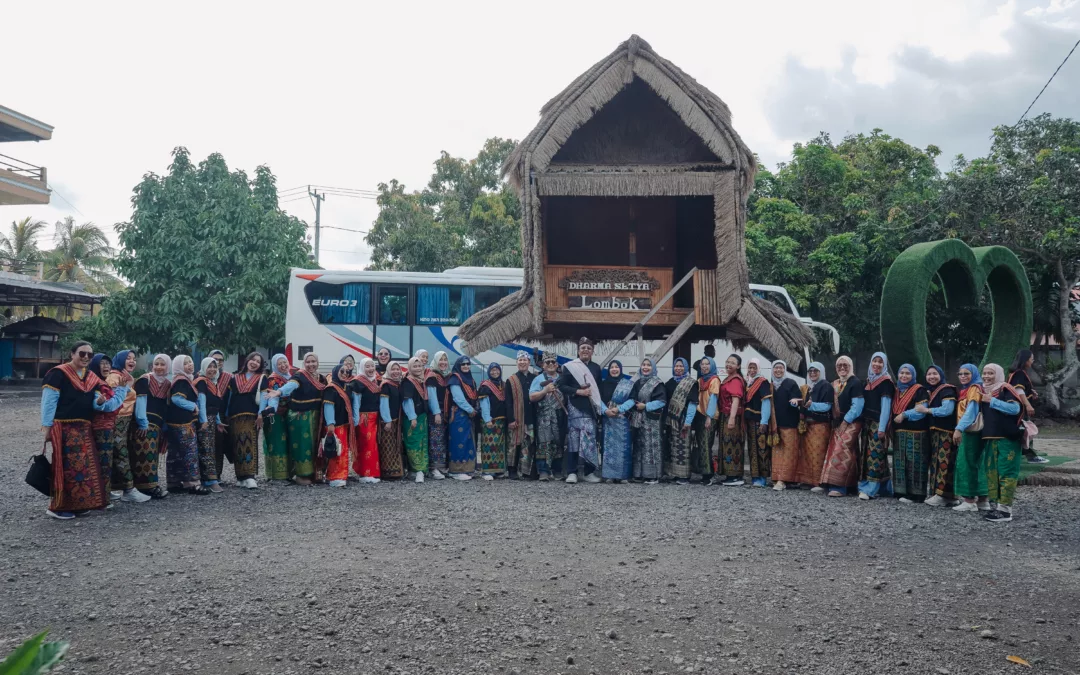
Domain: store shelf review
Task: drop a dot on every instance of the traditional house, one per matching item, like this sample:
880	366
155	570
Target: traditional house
633	189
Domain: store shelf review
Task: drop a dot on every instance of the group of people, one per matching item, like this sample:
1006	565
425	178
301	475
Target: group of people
957	445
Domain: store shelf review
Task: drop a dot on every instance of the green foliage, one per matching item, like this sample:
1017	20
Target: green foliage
34	656
18	249
82	255
207	252
104	335
465	216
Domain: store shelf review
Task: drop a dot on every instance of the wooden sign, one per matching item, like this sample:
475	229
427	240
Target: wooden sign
609	302
609	280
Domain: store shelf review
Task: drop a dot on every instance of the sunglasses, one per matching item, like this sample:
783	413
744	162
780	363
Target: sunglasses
85	355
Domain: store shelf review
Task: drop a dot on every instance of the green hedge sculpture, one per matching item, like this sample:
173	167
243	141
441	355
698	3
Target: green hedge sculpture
964	273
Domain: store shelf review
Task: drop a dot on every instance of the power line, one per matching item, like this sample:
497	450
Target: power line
340	189
343	229
1048	83
53	188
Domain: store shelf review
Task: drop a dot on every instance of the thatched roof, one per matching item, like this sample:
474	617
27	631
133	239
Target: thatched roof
727	174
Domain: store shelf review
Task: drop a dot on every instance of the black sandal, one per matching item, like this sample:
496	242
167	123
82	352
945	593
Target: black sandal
198	490
158	493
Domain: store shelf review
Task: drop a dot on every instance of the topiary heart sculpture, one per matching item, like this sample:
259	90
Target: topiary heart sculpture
964	273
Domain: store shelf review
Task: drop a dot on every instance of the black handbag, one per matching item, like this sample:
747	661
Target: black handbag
39	475
330	447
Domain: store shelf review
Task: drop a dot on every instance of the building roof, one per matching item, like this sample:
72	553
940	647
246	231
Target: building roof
15	126
19	289
36	325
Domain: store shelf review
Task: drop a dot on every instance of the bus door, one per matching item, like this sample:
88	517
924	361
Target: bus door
393	313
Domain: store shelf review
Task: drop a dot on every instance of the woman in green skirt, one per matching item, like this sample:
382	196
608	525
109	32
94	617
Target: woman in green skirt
414	396
1001	436
969	480
304	418
275	427
492	398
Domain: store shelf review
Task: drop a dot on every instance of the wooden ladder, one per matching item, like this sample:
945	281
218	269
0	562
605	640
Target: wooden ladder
639	328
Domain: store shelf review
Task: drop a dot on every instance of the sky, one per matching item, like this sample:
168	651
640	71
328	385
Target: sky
350	95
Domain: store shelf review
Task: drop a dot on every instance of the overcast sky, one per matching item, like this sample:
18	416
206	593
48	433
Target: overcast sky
352	94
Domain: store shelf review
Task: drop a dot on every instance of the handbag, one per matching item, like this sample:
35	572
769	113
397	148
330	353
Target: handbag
330	447
39	475
977	425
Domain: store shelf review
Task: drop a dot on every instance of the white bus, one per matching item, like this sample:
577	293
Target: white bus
339	312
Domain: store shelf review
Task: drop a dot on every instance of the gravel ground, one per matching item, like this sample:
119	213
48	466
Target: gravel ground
510	577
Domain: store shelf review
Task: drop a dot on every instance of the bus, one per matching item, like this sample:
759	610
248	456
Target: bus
339	312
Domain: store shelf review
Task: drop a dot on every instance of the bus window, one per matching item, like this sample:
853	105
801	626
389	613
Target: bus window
393	305
775	298
339	303
451	305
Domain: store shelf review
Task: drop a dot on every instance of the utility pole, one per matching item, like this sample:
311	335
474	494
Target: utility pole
319	198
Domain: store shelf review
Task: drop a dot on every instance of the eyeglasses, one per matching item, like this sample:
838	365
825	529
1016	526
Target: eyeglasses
85	355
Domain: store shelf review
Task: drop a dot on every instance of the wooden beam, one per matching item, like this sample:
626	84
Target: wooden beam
672	339
638	329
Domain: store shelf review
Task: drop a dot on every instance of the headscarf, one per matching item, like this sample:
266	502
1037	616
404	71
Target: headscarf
584	377
160	378
778	381
286	373
999	378
976	374
941	375
751	378
178	368
335	376
433	364
712	367
815	365
900	386
421	351
466	378
390	372
494	380
372	384
607	371
851	368
685	371
119	362
216	351
95	364
870	376
206	364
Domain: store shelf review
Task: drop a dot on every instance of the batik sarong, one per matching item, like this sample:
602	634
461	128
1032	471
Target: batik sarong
581	436
303	435
548	430
120	465
648	449
103	441
970	476
942	463
841	467
618	451
416	443
462	445
336	468
1002	471
245	438
437	446
526	452
493	448
909	464
182	458
276	447
222	450
731	448
874	471
759	445
366	454
815	444
785	456
77	484
702	457
144	457
677	453
391	461
207	438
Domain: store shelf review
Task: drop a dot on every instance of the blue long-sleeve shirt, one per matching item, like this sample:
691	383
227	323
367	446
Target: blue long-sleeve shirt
710	411
857	405
50	397
886	411
140	413
459	399
355	408
651	406
289	387
913	415
1007	407
766	411
968	418
433	401
328	413
485	410
409	407
691	410
944	410
202	410
182	403
384	409
820	407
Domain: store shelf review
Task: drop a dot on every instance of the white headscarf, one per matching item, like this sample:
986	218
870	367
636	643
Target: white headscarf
178	368
434	364
161	378
779	381
821	373
757	363
999	378
206	364
274	365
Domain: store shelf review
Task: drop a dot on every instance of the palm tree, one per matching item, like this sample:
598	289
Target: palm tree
18	250
82	255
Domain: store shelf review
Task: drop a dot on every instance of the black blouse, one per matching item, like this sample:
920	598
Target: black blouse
341	408
243	403
155	406
392	392
821	392
659	393
526	380
997	424
177	415
921	396
306	396
442	394
73	404
853	389
369	400
752	409
872	395
787	415
498	408
410	391
942	394
213	401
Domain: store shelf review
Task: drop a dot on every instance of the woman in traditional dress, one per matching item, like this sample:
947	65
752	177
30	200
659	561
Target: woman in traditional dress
492	399
841	468
1020	381
182	418
788	446
414	404
151	403
422	354
244	408
910	429
211	391
817	403
222	442
462	412
941	412
682	396
304	391
122	481
103	423
70	394
368	392
617	464
878	392
758	418
1002	434
732	441
438	400
969	481
550	415
391	463
382	361
338	414
275	422
703	431
646	408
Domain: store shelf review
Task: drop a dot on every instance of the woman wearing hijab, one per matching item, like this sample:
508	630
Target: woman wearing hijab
211	402
841	468
391	462
941	415
382	361
462	412
222	443
422	354
878	393
338	416
414	405
817	404
910	429
122	482
615	389
732	442
682	395
182	416
303	421
551	412
244	413
1002	434
788	446
367	397
151	403
704	427
438	400
275	423
646	408
492	398
103	423
969	481
1020	381
760	427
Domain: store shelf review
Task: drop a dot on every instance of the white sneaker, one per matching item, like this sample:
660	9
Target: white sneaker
905	500
863	496
115	495
817	490
779	485
249	483
592	478
936	500
437	475
369	479
419	477
572	478
133	495
335	483
966	506
488	476
984	506
461	476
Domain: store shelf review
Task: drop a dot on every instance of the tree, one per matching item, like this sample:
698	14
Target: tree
465	216
1024	195
19	249
208	252
82	254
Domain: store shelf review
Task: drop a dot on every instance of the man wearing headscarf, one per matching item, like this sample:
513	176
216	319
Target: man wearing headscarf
520	419
579	382
878	393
